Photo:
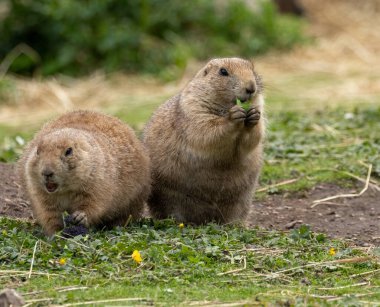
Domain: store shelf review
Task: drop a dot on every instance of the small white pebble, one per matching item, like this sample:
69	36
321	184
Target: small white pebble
20	140
348	116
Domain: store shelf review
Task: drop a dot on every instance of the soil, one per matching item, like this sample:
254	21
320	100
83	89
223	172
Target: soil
11	202
355	219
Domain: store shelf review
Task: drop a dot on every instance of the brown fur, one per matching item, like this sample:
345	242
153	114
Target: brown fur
206	151
104	180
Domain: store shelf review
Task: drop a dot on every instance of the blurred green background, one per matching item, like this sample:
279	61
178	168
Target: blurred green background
151	36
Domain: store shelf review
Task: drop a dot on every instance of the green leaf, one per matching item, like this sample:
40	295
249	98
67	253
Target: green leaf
244	105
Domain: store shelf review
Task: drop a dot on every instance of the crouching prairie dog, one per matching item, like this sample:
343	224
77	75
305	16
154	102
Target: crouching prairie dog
88	164
206	149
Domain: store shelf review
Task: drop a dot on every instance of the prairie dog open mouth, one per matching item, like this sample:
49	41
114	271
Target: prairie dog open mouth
51	186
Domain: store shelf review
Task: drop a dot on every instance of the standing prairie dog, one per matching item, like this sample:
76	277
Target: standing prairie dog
88	164
206	150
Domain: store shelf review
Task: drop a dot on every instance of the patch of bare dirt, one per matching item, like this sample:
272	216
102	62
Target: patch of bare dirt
11	204
354	219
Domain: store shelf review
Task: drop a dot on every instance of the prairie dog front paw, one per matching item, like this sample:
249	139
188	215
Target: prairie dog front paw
80	217
237	114
253	117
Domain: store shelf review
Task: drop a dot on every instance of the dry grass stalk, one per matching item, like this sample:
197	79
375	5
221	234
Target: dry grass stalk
237	270
352	260
339	261
372	183
37	300
262	250
319	201
344	287
71	289
34	101
132	299
32	262
216	303
14	272
289	181
366	273
59	289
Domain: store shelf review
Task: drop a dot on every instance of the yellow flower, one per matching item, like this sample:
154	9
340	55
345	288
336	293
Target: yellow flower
181	225
62	261
4	232
136	256
332	251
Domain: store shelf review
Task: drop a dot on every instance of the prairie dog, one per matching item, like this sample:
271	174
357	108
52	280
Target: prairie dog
206	151
88	164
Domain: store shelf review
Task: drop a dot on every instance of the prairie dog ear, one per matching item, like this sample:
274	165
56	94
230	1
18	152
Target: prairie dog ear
204	71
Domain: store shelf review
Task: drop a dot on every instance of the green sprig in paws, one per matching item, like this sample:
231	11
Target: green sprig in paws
244	105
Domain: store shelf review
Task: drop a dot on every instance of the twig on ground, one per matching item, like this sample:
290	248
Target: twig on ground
30	302
34	292
368	303
216	303
366	273
319	201
339	261
32	262
133	299
262	250
289	181
237	270
321	296
13	272
257	276
242	303
352	260
372	183
344	287
72	289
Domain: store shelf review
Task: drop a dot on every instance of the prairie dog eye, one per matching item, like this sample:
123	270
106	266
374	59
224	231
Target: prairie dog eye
223	72
68	151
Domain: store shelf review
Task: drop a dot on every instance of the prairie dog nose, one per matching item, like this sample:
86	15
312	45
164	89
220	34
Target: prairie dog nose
48	173
250	88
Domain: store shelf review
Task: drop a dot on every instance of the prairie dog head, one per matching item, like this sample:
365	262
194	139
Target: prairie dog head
63	160
222	81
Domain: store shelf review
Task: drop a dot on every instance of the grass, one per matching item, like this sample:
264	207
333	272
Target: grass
12	143
208	264
321	146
